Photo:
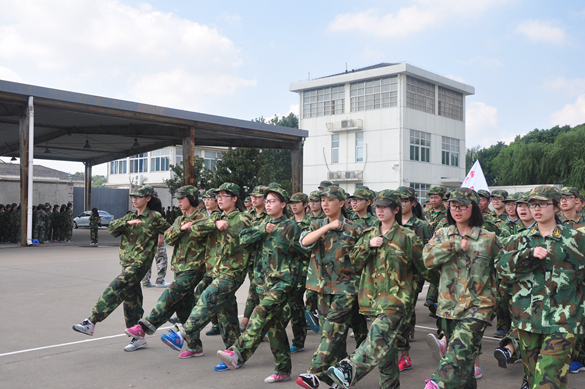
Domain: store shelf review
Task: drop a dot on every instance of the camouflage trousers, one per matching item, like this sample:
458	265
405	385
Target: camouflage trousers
217	299
547	358
68	231
123	289
504	316
199	289
407	326
253	299
161	259
39	233
579	350
49	232
267	318
379	349
312	300
456	368
294	311
337	313
94	235
178	297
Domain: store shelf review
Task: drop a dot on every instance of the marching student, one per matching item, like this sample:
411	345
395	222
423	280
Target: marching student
361	203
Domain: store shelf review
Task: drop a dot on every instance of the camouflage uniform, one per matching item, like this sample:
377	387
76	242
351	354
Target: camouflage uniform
49	225
69	223
137	245
547	296
2	224
55	223
39	231
467	294
94	222
312	298
227	275
332	274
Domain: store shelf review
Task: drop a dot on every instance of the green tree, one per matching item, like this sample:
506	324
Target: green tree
202	176
486	158
96	181
239	166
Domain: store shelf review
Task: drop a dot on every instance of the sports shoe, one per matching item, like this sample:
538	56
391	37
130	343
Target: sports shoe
477	371
173	340
430	384
576	367
308	381
276	378
164	284
229	358
343	374
213	331
221	367
500	334
190	354
432	307
411	338
502	354
294	349
404	363
525	384
135	332
437	346
149	285
135	344
174	320
85	327
312	321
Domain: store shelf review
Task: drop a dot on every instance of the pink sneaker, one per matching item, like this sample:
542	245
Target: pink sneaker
229	358
404	363
190	354
135	332
477	371
430	384
437	346
277	378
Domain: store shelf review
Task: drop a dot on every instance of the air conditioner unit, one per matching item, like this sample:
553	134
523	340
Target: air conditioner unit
137	180
334	175
350	174
346	123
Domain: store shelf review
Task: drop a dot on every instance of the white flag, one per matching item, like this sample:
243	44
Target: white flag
475	179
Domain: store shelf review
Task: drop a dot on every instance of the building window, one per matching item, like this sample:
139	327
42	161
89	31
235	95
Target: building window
421	189
420	146
374	94
420	95
359	146
359	185
179	157
335	148
118	167
450	151
159	160
210	158
324	101
450	104
139	163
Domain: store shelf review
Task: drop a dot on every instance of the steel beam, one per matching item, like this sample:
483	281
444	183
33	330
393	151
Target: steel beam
189	157
296	156
87	197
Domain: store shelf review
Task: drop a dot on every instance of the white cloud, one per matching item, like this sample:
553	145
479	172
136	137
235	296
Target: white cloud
482	61
567	86
542	31
407	20
127	51
571	114
234	20
294	108
482	126
7	74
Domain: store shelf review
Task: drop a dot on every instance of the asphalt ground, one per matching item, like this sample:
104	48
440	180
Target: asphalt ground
46	289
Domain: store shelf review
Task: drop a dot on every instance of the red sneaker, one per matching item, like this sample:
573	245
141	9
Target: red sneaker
404	363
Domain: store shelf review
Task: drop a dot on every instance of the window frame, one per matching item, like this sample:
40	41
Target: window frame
359	146
449	156
139	163
335	139
420	95
421	189
373	94
324	101
419	149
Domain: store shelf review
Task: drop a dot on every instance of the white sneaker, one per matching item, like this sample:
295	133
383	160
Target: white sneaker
163	285
135	344
85	327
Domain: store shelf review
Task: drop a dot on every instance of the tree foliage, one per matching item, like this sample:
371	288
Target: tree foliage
96	181
202	176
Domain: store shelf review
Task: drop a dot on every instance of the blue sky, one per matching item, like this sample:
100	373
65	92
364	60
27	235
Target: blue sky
237	59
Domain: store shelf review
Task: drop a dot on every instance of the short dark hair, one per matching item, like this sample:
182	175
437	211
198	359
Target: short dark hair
193	200
476	219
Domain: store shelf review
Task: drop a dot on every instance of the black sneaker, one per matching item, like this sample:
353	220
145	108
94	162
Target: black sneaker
503	356
213	331
174	320
524	384
343	374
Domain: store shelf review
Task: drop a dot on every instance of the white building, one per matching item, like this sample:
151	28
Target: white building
383	126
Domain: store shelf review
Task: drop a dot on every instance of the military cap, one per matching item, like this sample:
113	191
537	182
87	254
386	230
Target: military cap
283	193
56	206
47	204
274	185
406	192
545	192
437	190
315	195
247	200
499	193
14	205
299	198
1	206
570	191
230	187
210	193
511	198
143	191
70	205
362	193
484	193
388	197
259	191
8	205
187	190
333	192
522	198
464	196
324	184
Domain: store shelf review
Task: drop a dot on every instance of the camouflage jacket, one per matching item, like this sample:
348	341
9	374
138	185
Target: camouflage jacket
388	277
257	219
321	215
503	217
368	220
278	263
94	222
230	259
188	252
330	269
488	224
547	295
42	218
138	242
580	222
435	217
211	244
421	228
351	214
467	284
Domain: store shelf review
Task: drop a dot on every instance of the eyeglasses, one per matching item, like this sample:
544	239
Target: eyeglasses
567	198
458	207
224	196
539	205
500	199
270	201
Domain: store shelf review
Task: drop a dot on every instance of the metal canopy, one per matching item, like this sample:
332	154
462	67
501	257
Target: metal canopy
64	121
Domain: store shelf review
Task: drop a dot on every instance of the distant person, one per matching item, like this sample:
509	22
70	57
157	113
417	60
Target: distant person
161	259
94	223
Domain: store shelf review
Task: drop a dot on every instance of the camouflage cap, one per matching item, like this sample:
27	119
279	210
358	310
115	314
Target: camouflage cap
464	196
274	185
545	192
570	191
522	198
325	184
299	197
362	193
56	206
315	195
259	191
143	191
247	200
184	191
406	192
47	204
499	193
512	198
211	193
334	192
1	206
437	190
388	197
14	205
229	187
484	193
283	193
